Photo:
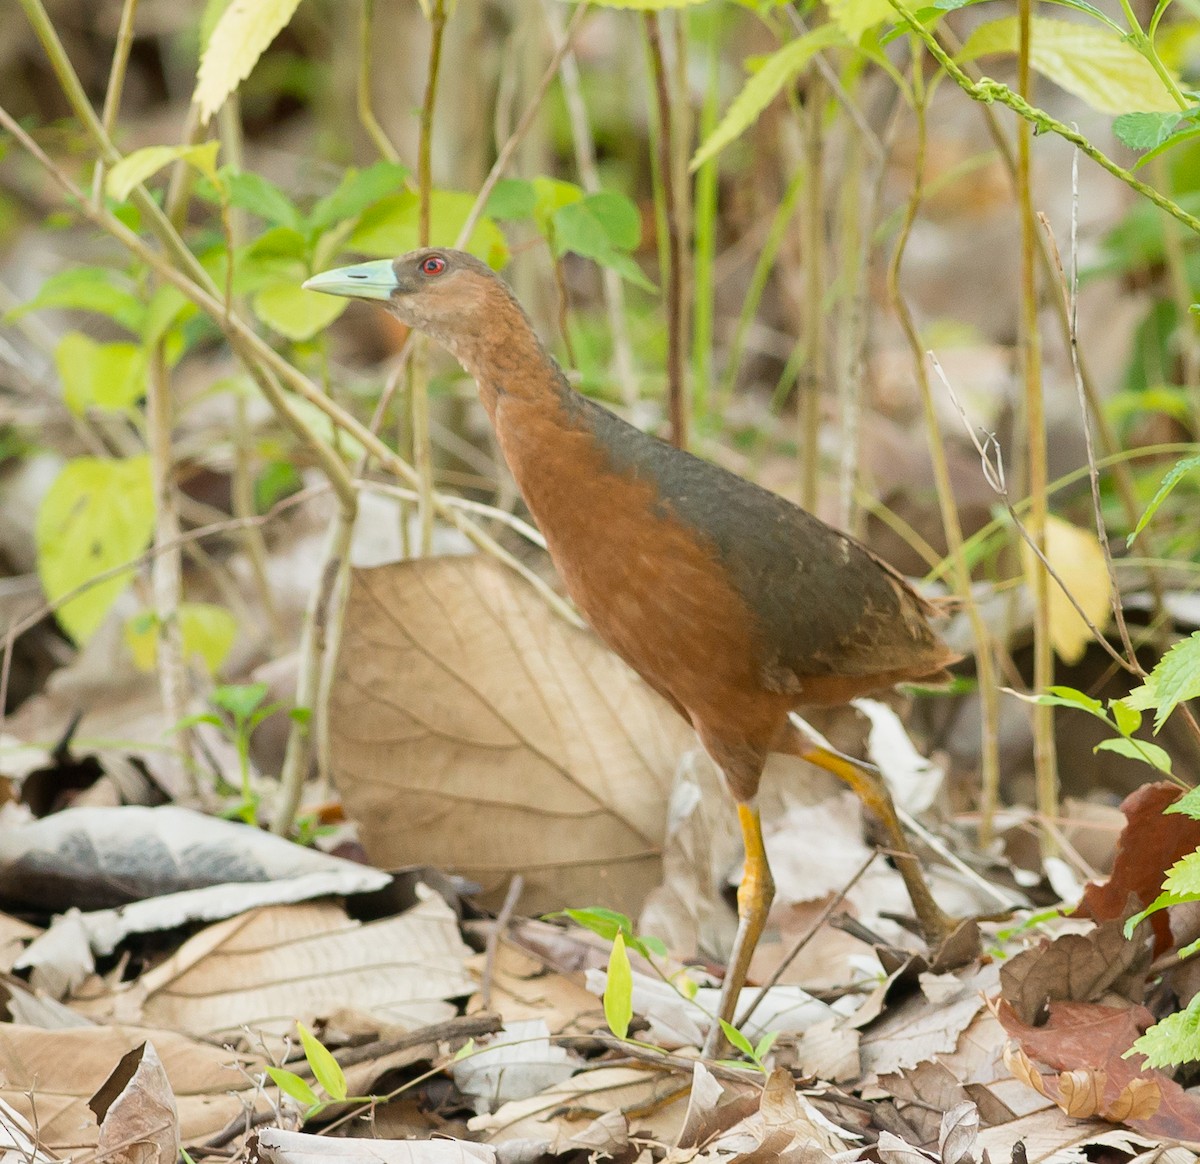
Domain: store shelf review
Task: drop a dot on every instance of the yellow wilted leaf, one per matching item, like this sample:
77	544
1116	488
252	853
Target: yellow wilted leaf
241	36
1078	560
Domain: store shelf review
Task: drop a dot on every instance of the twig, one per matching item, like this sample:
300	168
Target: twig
515	888
673	289
116	85
366	111
807	937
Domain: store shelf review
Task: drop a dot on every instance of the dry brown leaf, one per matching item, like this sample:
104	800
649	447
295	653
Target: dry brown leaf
474	729
1050	1135
1081	1092
139	1123
62	1070
1022	1068
958	1132
277	1146
1139	1100
522	988
268	967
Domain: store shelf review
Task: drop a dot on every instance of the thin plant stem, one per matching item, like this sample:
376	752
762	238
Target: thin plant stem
624	370
677	406
1045	762
985	662
366	110
810	381
418	372
116	86
704	248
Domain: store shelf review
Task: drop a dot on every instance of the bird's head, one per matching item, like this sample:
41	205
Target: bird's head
445	293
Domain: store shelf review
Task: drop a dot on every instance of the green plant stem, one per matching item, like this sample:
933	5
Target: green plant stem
985	661
1044	757
366	111
677	405
418	369
705	245
809	383
116	85
1145	45
988	91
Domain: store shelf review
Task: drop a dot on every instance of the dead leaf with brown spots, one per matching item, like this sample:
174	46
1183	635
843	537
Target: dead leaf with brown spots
475	730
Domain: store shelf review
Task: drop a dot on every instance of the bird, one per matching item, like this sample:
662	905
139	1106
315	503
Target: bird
735	605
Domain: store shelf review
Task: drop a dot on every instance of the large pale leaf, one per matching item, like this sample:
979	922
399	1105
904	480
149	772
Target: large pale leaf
1087	60
474	729
109	377
390	227
98	514
241	36
294	312
142	164
1078	560
778	70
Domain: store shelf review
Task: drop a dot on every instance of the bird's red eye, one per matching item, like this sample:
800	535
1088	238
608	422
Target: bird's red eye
433	265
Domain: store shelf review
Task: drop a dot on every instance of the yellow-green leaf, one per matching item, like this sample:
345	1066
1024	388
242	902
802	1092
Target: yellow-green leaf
618	989
241	36
855	17
135	168
390	227
647	5
294	312
110	377
1090	61
1078	560
98	514
207	632
778	70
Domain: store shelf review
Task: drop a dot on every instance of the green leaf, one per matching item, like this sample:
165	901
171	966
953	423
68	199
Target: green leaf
1176	677
1172	1040
254	193
96	289
1188	804
1183	878
764	1045
1128	719
512	200
98	514
1143	698
1141	750
1145	131
855	17
167	307
618	990
619	217
550	196
390	227
325	1067
294	312
135	168
357	190
1176	474
1162	901
108	377
1064	697
578	228
241	700
778	70
1095	64
278	479
648	5
291	1084
240	37
736	1039
605	923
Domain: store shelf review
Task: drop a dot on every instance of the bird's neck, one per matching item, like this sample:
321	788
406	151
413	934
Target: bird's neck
510	364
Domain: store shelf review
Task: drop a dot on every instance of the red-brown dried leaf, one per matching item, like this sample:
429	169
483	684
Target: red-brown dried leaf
1086	1035
1148	846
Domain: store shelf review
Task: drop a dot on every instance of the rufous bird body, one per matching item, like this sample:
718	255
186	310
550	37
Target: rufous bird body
733	604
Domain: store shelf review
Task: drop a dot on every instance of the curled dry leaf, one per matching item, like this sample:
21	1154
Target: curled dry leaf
1081	1092
893	1150
959	1130
1139	1100
139	1123
1022	1068
474	729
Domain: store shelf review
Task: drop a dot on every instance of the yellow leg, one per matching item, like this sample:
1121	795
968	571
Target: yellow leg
755	895
870	788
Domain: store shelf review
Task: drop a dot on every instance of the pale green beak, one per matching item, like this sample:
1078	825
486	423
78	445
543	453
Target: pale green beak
375	280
